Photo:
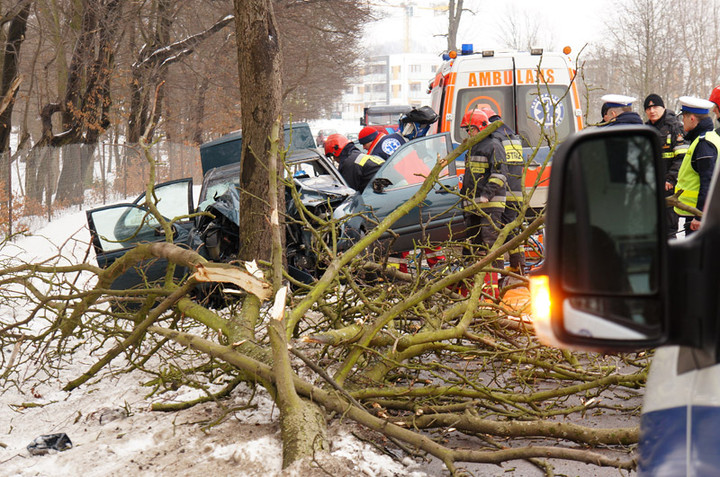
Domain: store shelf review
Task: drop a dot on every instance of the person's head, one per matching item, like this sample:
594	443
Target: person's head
654	107
604	113
412	130
416	122
368	135
616	105
474	121
715	99
489	111
334	144
693	111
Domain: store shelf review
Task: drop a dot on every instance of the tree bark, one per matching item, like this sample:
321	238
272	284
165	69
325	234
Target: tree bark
455	9
261	93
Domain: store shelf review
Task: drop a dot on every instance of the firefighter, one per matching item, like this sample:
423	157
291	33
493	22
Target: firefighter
356	168
514	200
674	147
698	164
620	110
369	137
483	189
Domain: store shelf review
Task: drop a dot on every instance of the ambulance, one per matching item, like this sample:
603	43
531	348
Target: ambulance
534	92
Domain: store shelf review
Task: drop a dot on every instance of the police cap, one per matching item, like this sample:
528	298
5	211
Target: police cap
617	100
691	104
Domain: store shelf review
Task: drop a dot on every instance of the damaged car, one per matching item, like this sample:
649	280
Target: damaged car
115	229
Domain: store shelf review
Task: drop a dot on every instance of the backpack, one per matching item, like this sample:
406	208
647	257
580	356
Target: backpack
423	116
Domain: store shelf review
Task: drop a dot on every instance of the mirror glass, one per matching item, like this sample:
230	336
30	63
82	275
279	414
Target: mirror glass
611	238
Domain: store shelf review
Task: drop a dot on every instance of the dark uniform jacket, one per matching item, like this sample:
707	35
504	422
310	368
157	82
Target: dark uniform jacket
357	168
512	145
387	145
486	173
627	117
673	143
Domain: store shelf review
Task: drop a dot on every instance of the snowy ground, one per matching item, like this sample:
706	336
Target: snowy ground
114	432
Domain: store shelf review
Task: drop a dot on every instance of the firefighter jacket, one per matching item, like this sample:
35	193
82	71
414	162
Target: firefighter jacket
673	144
697	166
387	145
626	117
357	168
485	174
513	162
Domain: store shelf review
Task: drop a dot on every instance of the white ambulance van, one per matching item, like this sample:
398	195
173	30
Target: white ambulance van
534	92
612	282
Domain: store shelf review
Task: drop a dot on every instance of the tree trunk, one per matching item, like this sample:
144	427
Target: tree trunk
261	96
455	9
8	89
87	100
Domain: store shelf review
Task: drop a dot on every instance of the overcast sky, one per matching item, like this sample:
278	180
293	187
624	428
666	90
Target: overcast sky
563	22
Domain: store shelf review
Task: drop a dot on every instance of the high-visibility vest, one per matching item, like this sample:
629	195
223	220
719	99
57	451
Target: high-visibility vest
688	179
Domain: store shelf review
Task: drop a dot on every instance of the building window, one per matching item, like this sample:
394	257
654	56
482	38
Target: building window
396	89
377	69
379	88
415	68
415	87
395	72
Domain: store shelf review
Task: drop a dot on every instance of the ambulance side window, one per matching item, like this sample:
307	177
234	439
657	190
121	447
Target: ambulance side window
499	98
549	110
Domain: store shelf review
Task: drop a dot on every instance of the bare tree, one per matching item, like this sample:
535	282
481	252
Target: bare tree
455	10
523	29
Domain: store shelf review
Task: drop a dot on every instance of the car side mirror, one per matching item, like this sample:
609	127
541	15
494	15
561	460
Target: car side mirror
379	184
606	244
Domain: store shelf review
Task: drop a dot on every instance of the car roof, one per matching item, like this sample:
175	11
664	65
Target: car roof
231	136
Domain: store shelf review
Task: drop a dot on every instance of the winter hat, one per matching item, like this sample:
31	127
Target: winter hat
653	100
367	134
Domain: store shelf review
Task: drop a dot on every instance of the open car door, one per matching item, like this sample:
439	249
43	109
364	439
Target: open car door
400	178
115	229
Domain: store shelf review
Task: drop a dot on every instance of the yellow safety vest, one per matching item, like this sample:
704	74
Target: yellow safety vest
689	180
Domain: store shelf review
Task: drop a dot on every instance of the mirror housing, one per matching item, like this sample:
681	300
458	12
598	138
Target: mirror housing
379	184
606	263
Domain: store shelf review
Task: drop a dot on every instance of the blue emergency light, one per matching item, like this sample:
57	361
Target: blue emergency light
467	49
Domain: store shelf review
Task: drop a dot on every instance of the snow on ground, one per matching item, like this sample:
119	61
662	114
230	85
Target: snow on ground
114	432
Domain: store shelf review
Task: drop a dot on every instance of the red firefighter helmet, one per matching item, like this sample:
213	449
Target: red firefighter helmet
715	96
475	117
487	109
335	143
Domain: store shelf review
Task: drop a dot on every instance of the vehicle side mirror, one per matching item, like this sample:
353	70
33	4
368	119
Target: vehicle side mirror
606	244
379	184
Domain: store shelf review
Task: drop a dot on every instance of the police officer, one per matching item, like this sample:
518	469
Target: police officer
620	110
698	164
484	184
674	147
514	180
356	168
